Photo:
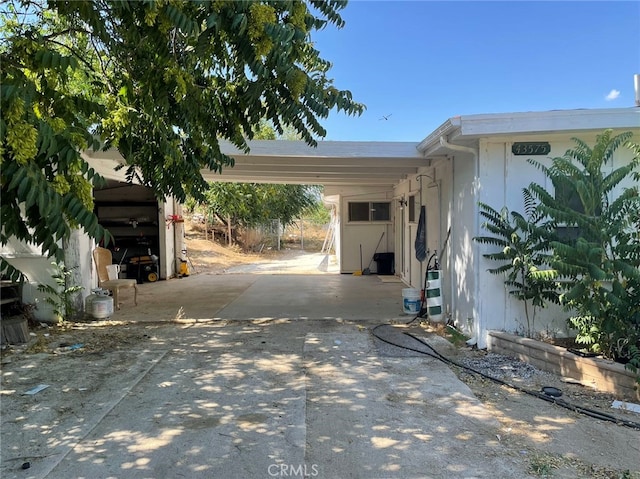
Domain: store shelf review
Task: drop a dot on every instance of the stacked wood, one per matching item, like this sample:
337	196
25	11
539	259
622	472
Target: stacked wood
14	330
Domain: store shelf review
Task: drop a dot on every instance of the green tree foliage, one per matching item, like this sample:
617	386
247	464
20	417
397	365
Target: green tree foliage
523	250
162	81
252	204
601	261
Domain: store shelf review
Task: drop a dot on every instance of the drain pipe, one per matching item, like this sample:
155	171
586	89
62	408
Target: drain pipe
473	151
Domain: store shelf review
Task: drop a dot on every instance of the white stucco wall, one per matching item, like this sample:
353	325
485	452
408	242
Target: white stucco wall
353	234
439	225
463	220
38	270
78	255
432	187
169	251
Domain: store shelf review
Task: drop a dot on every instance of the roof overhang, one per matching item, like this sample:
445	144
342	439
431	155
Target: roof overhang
466	130
331	163
385	164
343	163
105	163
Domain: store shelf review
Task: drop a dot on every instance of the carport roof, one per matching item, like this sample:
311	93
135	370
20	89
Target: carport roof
331	163
385	164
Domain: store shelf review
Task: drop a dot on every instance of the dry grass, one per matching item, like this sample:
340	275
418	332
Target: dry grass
212	256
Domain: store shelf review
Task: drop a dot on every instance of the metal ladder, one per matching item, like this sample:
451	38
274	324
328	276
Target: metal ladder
330	237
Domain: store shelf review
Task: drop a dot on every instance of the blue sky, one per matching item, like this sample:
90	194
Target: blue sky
422	62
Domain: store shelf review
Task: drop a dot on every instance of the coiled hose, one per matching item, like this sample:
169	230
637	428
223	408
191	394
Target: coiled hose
560	402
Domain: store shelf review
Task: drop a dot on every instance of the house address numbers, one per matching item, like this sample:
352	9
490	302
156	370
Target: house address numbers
531	148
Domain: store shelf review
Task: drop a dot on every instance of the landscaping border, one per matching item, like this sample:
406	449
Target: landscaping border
601	374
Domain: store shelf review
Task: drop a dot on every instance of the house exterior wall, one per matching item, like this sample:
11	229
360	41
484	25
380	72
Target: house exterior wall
169	236
432	187
463	255
440	220
474	299
39	270
351	235
78	257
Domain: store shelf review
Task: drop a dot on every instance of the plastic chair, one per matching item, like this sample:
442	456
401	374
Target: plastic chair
102	257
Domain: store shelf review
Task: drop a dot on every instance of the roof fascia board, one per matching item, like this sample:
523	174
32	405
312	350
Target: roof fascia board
548	122
471	127
305	180
324	149
338	162
431	143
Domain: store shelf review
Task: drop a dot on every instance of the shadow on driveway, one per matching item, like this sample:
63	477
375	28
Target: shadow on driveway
243	376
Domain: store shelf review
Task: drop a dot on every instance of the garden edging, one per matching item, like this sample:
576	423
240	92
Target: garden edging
601	374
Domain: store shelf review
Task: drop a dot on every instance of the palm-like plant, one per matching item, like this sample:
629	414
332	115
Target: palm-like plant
524	249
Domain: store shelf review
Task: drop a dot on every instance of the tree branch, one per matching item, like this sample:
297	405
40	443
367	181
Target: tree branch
74	52
64	32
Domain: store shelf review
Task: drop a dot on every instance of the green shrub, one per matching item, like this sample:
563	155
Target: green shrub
523	250
600	260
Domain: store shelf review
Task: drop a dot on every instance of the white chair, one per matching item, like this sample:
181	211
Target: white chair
102	257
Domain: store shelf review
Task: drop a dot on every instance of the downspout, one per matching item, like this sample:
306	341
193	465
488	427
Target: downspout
476	158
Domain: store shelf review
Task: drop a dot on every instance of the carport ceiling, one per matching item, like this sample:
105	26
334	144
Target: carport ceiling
332	163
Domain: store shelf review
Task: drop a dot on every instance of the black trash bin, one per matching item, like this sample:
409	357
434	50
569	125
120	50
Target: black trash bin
384	263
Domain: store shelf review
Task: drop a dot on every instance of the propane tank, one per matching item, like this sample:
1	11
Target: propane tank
99	305
88	302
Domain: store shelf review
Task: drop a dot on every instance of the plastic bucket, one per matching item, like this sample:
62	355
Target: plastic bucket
411	301
112	271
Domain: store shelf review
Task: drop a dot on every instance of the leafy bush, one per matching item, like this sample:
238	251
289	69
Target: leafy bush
600	260
523	253
61	295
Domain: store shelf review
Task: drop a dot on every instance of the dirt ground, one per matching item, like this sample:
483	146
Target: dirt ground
214	257
551	441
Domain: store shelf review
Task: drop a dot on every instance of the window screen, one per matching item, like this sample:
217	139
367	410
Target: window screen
369	211
380	211
359	211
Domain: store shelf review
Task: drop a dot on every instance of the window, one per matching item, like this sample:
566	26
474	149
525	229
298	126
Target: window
567	195
369	211
359	211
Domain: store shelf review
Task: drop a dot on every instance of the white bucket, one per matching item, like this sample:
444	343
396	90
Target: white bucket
113	270
411	300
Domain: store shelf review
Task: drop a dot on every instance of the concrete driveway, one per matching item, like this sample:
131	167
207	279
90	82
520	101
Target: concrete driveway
250	376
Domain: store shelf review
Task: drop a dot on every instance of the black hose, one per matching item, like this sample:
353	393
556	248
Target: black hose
560	402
